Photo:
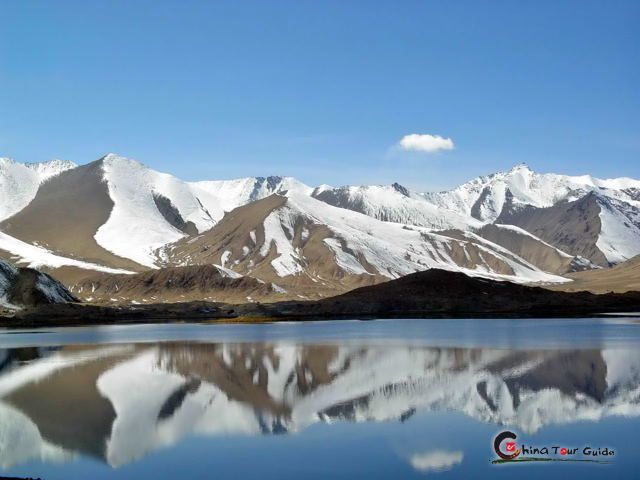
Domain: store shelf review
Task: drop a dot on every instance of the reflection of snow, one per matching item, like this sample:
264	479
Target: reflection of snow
161	394
42	368
138	389
372	384
20	440
436	460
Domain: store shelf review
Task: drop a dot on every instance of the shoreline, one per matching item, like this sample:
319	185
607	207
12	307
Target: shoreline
428	294
82	315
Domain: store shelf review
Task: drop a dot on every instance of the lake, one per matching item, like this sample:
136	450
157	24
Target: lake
338	399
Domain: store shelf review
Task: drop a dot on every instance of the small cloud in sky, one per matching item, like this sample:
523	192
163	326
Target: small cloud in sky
425	143
435	460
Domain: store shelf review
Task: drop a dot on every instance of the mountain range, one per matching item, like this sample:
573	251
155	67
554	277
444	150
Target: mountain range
90	224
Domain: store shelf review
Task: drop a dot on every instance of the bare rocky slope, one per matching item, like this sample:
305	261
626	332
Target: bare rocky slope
176	284
621	278
25	287
65	215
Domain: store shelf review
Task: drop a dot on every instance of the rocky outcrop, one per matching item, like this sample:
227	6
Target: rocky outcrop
26	287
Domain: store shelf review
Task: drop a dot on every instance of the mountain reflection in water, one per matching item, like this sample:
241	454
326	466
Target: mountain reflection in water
118	403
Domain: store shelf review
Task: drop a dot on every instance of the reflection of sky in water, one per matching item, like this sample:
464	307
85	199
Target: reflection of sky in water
363	407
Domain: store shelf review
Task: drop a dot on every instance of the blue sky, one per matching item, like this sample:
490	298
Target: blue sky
324	90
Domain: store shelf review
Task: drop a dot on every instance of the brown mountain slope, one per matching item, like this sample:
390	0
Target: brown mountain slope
241	233
573	227
318	250
175	284
524	245
65	215
75	414
533	250
621	278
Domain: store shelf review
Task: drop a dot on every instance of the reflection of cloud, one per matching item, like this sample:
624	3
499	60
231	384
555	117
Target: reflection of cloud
436	460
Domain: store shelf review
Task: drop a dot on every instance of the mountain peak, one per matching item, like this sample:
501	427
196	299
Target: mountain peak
272	181
520	167
400	189
51	168
115	159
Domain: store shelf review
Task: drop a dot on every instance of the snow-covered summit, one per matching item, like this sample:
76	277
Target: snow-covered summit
394	203
515	195
51	168
143	201
484	197
19	182
137	211
152	209
221	196
294	237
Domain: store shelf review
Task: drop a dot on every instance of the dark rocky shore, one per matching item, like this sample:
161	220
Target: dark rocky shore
433	293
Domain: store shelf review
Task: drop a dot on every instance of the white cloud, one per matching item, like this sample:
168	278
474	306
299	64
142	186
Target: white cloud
436	460
425	143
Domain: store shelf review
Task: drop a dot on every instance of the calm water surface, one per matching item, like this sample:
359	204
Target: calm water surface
348	399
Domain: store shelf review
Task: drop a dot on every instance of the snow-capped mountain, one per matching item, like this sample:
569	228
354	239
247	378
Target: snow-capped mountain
296	239
522	198
115	212
395	203
116	215
140	398
515	196
485	197
222	196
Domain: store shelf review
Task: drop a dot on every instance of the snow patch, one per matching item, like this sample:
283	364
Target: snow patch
36	257
19	182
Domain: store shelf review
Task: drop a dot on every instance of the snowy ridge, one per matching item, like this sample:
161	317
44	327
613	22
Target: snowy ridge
132	187
394	204
222	196
136	227
619	237
51	168
19	182
482	200
394	231
488	194
391	249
